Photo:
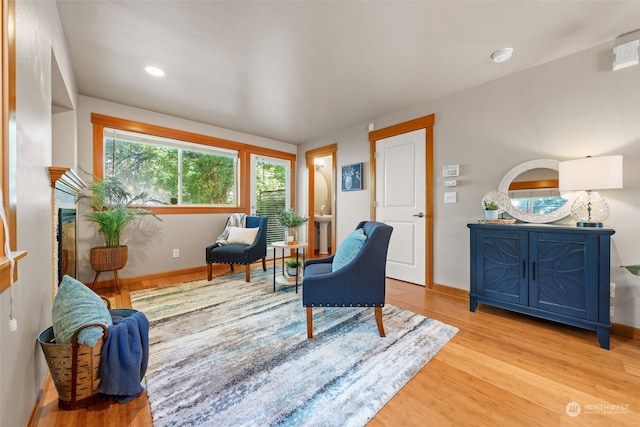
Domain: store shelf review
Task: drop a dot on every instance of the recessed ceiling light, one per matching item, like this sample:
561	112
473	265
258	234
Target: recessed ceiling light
154	71
502	55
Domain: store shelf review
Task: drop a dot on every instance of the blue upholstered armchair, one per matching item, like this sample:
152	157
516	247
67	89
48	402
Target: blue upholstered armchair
351	277
238	253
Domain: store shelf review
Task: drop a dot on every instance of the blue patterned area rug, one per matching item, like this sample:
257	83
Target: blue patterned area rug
231	353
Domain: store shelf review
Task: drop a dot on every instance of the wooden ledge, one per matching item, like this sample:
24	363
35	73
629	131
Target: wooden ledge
5	268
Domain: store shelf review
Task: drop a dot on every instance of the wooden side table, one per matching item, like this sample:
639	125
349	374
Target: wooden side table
282	279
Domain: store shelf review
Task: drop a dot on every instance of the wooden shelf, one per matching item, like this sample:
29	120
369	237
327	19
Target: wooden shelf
285	279
5	267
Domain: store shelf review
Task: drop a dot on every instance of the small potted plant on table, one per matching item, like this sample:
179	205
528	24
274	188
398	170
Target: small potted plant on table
292	221
294	267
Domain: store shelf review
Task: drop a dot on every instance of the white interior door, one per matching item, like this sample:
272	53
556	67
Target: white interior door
401	202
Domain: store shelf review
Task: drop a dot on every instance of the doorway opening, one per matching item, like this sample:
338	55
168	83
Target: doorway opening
426	123
270	192
321	171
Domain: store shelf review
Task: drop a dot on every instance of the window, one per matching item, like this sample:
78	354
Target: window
172	172
184	172
269	192
536	201
536	197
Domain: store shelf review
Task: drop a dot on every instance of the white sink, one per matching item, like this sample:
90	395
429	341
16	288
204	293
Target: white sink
324	221
322	218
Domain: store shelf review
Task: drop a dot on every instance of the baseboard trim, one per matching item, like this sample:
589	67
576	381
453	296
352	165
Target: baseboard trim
154	276
138	279
34	418
616	328
444	289
625	331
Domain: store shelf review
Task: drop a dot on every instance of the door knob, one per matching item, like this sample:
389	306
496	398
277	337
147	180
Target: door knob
419	215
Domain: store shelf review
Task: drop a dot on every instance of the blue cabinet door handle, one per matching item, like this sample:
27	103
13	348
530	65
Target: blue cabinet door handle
533	270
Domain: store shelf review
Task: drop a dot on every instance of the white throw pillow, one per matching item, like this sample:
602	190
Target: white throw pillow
245	236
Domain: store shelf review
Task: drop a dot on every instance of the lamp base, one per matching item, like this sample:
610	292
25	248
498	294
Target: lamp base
589	224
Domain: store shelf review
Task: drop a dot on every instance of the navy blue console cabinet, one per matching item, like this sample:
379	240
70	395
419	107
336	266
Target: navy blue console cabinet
553	272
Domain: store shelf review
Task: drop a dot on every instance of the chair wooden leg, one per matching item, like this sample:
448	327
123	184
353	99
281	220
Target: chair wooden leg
309	322
115	277
264	264
209	271
231	265
247	273
95	280
378	311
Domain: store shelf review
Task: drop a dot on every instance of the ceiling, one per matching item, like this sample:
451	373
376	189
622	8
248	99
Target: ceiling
296	70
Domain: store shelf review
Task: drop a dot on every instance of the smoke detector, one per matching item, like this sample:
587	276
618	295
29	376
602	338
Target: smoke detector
626	55
502	55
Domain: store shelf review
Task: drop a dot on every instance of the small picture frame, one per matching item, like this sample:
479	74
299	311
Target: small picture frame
352	177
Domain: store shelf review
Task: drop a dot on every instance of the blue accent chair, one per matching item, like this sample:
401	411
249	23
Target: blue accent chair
239	253
360	283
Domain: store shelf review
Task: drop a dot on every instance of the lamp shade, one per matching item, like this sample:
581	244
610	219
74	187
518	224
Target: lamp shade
590	173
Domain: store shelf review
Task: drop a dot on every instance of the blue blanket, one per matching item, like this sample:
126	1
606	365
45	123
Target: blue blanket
125	354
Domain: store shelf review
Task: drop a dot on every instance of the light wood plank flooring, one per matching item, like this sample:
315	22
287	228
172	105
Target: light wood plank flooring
501	369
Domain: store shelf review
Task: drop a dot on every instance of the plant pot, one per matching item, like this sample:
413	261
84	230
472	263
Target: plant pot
292	271
108	259
291	235
491	214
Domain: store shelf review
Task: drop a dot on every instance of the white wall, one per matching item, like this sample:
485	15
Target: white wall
22	367
566	109
151	242
64	142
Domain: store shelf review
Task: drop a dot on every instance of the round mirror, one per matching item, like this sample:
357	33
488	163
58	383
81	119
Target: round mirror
532	188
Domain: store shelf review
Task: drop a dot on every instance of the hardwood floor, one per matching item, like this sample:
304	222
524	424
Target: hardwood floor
501	369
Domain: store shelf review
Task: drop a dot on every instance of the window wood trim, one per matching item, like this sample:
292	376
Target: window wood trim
535	185
8	132
101	121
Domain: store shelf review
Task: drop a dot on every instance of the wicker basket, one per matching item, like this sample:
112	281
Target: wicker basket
108	259
75	368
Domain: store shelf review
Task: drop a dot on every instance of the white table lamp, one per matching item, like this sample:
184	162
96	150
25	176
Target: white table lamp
590	174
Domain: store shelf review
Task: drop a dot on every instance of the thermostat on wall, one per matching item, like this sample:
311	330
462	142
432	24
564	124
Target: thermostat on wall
450	170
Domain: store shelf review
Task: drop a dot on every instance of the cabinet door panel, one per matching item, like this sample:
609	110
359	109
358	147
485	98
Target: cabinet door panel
502	269
564	274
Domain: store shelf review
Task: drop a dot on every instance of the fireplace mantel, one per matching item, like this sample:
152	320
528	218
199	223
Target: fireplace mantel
66	186
65	179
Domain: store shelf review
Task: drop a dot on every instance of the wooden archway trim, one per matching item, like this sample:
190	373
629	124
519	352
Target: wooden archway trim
327	150
427	123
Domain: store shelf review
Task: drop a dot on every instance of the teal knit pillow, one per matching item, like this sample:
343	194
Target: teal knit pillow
74	306
348	250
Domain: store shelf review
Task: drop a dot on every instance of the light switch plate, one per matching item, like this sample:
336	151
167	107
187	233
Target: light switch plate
451	197
450	170
450	183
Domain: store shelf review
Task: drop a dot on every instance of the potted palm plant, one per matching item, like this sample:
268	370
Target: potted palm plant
292	221
112	209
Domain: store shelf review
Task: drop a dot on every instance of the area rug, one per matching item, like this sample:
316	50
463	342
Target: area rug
231	353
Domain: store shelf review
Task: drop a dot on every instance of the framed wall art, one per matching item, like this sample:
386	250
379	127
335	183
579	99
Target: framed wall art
352	177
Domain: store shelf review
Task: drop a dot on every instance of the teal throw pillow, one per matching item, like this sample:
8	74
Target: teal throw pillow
348	250
74	306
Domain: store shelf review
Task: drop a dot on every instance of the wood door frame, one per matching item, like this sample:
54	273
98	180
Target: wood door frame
327	150
427	123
